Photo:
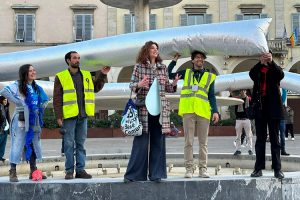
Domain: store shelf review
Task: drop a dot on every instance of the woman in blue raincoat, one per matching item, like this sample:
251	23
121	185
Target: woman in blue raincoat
30	100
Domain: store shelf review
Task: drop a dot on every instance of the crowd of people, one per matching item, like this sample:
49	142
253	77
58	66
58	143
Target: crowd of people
74	101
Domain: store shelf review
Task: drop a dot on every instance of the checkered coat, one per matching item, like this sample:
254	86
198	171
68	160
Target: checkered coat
159	71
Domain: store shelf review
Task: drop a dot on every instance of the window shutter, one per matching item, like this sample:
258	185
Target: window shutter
28	28
239	17
78	27
127	23
152	21
20	22
263	16
207	18
88	26
183	20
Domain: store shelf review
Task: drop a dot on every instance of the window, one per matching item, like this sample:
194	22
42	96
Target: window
25	27
239	17
129	23
194	19
296	24
83	27
152	24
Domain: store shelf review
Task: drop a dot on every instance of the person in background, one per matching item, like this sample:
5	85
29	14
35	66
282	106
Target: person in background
30	100
73	102
282	123
197	106
289	123
4	125
148	154
266	76
243	123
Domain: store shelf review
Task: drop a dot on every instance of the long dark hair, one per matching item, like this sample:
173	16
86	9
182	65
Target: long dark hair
143	55
23	79
2	98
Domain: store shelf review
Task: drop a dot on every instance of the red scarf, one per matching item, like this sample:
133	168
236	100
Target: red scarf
263	84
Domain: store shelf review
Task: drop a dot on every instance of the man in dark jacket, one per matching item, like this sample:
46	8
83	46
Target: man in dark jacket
266	76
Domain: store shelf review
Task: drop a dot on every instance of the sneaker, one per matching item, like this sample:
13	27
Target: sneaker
237	153
32	170
293	139
83	174
69	176
286	138
203	173
250	152
188	174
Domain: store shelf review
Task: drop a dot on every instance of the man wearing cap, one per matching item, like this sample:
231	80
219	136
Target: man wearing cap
197	102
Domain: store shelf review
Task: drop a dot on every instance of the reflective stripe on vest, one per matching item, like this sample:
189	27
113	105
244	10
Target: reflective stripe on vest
70	106
196	102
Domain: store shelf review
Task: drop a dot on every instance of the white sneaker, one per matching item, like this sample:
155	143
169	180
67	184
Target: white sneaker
188	174
203	173
293	139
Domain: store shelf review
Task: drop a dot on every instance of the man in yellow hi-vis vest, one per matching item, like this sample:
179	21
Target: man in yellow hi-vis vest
73	102
197	102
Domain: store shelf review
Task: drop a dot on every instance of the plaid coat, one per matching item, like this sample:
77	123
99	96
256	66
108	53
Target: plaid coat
159	71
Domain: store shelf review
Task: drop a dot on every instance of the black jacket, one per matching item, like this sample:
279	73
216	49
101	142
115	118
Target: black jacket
274	105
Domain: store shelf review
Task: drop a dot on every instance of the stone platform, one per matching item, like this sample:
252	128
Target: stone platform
219	187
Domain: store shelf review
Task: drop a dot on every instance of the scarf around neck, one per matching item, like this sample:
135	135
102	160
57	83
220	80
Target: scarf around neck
35	101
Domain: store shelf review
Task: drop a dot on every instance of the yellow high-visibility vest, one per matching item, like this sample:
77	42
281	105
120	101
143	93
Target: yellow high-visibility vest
70	106
196	102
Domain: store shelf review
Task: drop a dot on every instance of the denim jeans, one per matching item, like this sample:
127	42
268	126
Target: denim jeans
3	139
148	154
282	134
74	138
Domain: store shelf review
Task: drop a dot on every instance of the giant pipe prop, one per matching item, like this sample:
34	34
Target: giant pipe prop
239	38
114	95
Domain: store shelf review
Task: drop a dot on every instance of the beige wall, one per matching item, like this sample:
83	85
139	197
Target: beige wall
54	20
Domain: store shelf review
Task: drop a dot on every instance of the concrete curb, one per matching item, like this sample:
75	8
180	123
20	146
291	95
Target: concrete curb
48	164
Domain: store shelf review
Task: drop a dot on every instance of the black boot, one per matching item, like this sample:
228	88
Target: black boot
278	174
13	175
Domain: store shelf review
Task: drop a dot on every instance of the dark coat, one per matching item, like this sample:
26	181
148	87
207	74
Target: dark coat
273	77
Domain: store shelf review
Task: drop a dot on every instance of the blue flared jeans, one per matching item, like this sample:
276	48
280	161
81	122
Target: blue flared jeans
148	154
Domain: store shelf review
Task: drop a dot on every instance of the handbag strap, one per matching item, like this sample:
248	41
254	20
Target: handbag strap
130	94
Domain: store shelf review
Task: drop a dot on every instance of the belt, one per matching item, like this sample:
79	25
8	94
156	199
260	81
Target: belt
242	118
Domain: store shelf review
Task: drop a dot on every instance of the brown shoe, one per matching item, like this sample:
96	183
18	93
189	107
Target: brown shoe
69	175
13	175
83	174
32	170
